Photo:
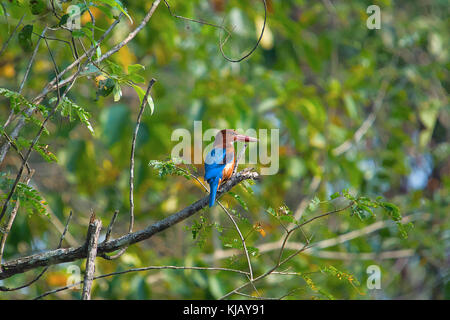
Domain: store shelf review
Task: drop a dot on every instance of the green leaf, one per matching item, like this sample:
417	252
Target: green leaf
136	78
115	69
117	92
272	212
394	213
141	94
114	121
314	203
105	87
68	108
25	37
169	168
341	276
78	33
37	6
133	73
90	69
106	10
135	68
239	199
117	4
45	153
17	100
335	195
63	20
42	149
350	106
29	197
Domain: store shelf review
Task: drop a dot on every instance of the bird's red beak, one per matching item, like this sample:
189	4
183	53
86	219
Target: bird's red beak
240	137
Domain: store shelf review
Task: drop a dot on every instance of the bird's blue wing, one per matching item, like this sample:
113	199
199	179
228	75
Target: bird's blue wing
214	164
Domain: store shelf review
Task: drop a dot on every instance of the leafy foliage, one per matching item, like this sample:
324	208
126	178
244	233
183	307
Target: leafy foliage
17	100
29	197
362	123
168	168
70	109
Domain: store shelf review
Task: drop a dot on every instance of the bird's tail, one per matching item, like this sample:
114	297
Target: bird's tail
213	186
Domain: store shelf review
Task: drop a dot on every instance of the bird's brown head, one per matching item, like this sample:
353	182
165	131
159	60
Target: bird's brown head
227	137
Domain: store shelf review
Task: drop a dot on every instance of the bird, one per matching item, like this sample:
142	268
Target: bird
220	162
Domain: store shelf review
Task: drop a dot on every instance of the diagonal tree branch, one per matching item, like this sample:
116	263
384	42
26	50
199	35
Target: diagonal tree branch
24	264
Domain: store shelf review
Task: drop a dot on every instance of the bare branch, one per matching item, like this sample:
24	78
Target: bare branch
93	233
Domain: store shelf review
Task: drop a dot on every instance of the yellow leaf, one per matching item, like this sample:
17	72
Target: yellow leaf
258	228
57	279
267	39
7	71
126	57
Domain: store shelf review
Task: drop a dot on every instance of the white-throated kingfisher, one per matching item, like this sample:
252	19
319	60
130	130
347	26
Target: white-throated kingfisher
220	162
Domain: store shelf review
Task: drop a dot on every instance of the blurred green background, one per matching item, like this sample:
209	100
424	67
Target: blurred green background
319	75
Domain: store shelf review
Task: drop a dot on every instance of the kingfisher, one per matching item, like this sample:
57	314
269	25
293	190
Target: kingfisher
220	162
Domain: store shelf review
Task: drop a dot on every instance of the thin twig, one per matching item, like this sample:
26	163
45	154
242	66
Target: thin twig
263	275
221	27
11	35
315	183
140	270
281	262
25	77
253	297
362	130
133	148
241	237
110	226
13	144
256	45
271	246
